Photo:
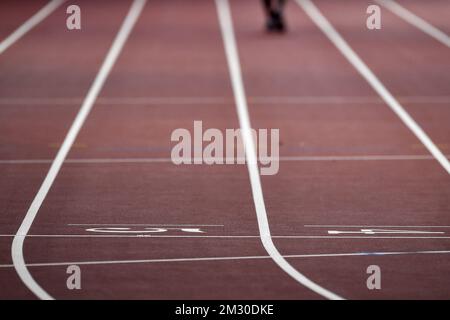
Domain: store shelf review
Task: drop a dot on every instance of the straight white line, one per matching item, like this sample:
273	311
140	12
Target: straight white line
89	161
169	160
370	77
26	161
367	226
226	25
320	255
416	21
345	100
144	224
39	101
17	246
219	101
209	236
384	231
359	158
166	100
30	24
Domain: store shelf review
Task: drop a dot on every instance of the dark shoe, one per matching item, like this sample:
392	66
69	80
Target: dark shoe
275	22
271	24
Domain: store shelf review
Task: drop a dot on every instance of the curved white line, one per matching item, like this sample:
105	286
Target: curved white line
323	24
17	245
416	21
229	40
30	24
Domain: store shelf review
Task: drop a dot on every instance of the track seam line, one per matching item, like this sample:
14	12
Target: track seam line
167	160
149	235
231	52
37	18
292	256
332	34
111	58
217	100
416	21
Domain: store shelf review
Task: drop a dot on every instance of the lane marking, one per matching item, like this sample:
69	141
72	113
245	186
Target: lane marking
346	100
229	41
323	24
320	255
416	21
147	230
169	160
384	231
30	24
219	101
211	236
366	226
360	158
144	224
114	51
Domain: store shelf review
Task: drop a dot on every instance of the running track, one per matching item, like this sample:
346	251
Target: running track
348	163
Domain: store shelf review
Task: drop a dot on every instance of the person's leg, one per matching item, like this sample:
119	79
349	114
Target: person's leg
267	5
270	22
275	21
280	7
281	4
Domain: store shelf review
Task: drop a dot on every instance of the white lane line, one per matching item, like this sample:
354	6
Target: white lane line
226	26
145	224
360	158
169	160
30	24
90	161
319	255
383	231
210	236
17	246
416	21
220	101
342	100
26	161
366	226
318	18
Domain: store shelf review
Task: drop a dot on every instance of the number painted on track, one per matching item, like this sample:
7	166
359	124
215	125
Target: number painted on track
128	230
384	231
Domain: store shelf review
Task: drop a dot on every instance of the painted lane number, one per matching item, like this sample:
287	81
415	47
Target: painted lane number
128	230
384	231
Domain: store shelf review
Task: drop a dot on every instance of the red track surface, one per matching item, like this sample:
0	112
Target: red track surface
297	82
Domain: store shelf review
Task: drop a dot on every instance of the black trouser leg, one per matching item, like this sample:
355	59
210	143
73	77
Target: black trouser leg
274	12
281	4
267	6
270	5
